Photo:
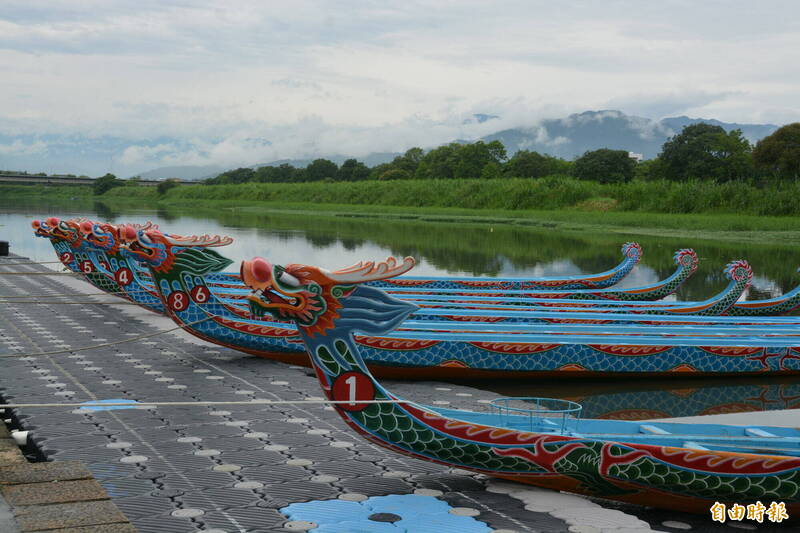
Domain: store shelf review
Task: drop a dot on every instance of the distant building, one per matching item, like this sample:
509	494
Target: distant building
635	156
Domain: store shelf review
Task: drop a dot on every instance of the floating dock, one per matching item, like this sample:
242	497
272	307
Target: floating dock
241	468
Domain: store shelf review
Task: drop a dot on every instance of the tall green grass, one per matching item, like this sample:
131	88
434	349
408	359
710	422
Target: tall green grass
517	194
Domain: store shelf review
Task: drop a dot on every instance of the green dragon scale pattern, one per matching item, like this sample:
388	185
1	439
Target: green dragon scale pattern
390	423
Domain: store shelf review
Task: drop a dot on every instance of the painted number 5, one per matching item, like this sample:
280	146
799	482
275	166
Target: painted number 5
87	267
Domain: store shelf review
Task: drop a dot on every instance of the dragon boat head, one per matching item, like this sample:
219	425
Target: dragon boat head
318	300
66	230
159	250
101	235
42	229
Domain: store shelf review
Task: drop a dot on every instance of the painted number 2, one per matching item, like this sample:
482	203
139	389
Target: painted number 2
124	276
178	301
353	388
67	257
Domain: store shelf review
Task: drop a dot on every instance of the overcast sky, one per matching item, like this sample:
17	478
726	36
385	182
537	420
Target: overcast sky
229	78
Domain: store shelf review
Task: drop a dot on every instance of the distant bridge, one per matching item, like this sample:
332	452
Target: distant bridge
29	179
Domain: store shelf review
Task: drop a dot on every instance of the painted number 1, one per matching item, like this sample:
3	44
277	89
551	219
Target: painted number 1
353	388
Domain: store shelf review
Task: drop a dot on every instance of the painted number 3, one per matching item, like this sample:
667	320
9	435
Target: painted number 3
178	301
353	388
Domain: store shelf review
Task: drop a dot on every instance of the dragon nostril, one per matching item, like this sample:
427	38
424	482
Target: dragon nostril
261	270
36	224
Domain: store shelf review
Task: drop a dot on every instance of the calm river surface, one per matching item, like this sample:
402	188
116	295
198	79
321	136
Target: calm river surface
443	248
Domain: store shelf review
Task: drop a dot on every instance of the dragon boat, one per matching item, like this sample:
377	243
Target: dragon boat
686	467
433	349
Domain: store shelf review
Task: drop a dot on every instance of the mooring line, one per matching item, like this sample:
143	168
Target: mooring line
31	263
67	295
65	303
105	344
2	272
148	405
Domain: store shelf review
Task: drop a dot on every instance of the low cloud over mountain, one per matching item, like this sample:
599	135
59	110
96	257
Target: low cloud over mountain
166	157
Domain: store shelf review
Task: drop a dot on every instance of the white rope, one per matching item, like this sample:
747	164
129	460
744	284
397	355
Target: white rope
45	302
67	295
105	344
31	263
148	405
2	272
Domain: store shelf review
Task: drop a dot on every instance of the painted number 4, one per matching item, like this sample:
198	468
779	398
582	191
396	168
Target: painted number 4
124	276
178	301
353	388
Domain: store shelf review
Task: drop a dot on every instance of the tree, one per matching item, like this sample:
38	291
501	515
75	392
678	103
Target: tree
460	161
605	166
705	151
395	174
166	185
239	175
352	170
319	169
779	153
106	183
528	164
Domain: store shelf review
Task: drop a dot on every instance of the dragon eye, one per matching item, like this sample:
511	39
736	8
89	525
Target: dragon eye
52	222
86	226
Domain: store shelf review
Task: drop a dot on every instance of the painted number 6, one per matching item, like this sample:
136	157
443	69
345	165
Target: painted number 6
200	294
353	388
178	301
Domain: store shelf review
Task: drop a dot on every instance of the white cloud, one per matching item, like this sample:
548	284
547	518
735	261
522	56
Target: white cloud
361	76
22	148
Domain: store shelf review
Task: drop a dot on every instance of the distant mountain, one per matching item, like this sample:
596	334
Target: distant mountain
184	172
566	137
572	136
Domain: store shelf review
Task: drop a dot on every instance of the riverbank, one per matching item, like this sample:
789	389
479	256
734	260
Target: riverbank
725	212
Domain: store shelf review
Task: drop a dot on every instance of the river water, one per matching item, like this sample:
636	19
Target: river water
485	249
